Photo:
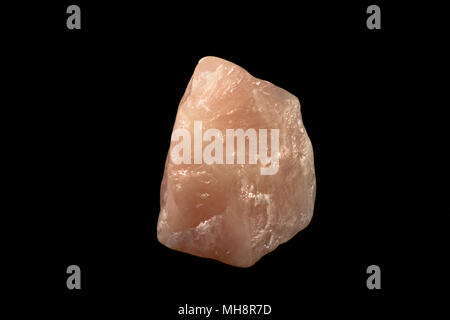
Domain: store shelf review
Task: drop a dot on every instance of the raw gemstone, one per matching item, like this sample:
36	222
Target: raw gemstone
217	202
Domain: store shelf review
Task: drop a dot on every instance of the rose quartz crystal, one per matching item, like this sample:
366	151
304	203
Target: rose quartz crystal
232	212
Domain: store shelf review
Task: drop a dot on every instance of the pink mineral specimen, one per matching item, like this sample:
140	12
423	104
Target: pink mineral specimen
217	202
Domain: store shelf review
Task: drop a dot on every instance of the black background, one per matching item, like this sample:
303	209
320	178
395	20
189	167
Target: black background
96	108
